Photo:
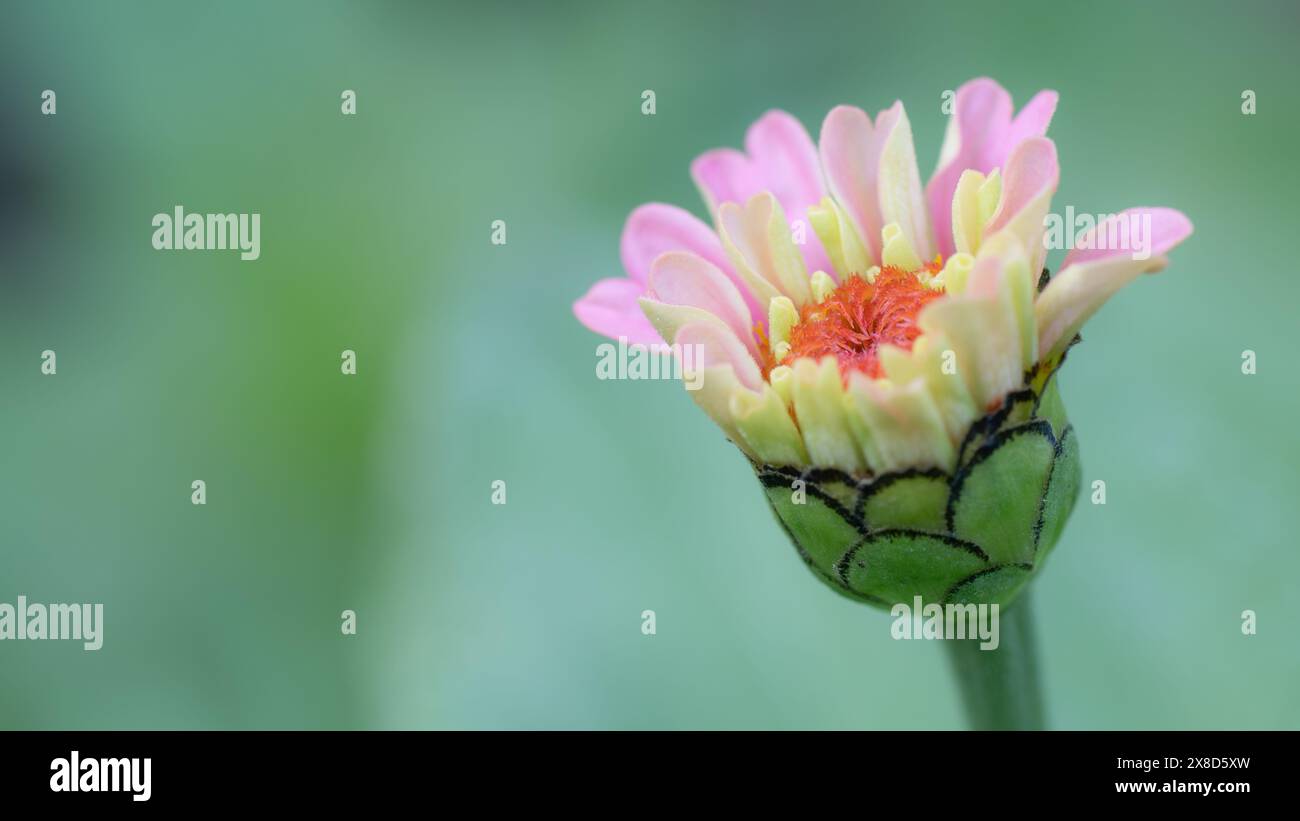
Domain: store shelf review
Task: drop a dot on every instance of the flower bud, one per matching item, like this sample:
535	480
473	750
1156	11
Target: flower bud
975	534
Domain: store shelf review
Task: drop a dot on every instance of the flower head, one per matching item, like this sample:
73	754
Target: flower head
897	360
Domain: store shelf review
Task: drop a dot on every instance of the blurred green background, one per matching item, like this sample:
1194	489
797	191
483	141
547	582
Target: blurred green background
372	492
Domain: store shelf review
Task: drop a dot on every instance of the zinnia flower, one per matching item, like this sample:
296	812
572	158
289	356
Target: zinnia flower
889	374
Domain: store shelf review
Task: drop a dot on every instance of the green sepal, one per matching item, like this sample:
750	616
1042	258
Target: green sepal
896	565
915	501
996	497
1062	492
821	528
995	585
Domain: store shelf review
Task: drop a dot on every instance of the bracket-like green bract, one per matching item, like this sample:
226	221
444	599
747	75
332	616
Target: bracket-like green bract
975	535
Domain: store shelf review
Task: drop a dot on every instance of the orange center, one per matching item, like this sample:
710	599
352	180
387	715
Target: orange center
858	317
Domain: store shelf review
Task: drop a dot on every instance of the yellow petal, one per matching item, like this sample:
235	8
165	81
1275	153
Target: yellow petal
981	335
956	270
990	194
758	240
764	423
967	225
1016	289
902	199
974	203
1075	294
819	406
781	379
668	319
933	359
901	423
848	254
822	285
897	250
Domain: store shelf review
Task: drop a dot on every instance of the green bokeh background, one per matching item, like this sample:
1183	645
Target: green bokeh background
372	492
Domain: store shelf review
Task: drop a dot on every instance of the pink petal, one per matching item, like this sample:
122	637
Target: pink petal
1090	277
725	175
786	163
681	278
655	228
850	153
719	347
785	159
1033	119
981	113
1031	169
985	135
1168	228
781	159
610	308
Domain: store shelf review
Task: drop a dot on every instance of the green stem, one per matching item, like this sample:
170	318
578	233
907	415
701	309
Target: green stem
1000	688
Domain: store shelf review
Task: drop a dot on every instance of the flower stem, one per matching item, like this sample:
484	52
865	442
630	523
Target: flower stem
1000	688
